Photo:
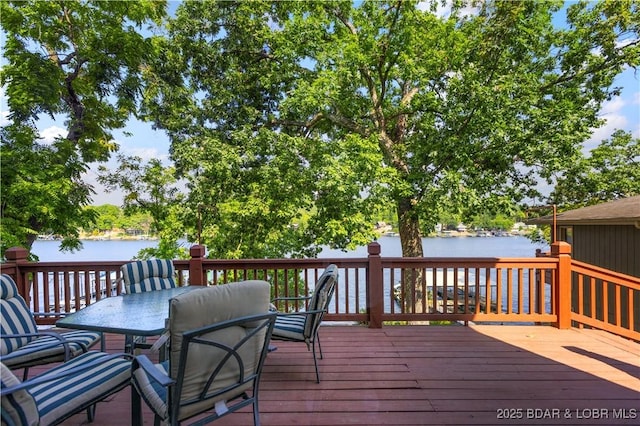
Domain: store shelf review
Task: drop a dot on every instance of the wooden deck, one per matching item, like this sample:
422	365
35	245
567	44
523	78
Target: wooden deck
439	375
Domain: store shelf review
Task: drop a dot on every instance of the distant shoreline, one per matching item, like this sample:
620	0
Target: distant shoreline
101	238
434	246
119	238
450	234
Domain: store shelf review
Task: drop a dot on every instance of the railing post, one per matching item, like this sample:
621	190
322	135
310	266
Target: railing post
374	288
17	256
562	251
196	274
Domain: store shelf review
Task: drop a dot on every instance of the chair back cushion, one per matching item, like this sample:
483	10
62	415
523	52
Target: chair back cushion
206	306
321	298
148	275
16	316
19	407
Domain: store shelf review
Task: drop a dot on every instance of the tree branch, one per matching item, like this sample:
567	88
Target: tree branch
566	77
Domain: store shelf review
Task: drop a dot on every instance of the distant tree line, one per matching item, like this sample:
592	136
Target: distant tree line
110	217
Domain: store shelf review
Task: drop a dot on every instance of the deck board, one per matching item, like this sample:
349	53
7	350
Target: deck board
438	375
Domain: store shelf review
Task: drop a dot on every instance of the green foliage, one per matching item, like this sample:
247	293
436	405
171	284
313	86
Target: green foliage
109	217
75	61
166	249
298	124
151	190
487	221
611	171
41	189
147	188
342	110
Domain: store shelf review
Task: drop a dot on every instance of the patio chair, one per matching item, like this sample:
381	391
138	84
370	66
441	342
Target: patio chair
22	345
218	343
146	275
303	326
54	396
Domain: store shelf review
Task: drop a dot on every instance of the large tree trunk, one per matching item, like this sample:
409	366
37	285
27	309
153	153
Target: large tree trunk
409	228
411	242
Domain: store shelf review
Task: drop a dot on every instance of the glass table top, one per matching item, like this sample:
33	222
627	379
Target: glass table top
140	314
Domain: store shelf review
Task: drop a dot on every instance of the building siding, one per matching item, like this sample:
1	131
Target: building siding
615	247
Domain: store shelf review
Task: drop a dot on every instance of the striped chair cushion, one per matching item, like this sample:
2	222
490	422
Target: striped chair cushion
16	316
290	326
18	408
29	355
319	300
57	398
154	394
148	275
301	327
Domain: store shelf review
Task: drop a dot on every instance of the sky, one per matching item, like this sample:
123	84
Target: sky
623	112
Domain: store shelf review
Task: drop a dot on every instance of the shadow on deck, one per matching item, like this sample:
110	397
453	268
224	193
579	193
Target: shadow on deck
439	375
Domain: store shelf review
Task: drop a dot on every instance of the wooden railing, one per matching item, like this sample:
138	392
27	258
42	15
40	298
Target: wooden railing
606	300
376	290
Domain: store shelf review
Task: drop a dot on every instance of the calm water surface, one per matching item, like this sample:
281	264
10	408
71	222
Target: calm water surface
48	251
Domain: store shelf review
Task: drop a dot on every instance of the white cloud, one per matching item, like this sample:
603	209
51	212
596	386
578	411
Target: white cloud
613	112
49	134
613	106
147	154
4	118
443	11
4	108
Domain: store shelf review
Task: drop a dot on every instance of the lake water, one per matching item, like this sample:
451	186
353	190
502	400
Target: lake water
48	251
125	250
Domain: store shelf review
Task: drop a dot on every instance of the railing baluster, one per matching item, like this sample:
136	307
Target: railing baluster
618	306
520	290
487	281
499	308
604	299
630	309
592	283
509	291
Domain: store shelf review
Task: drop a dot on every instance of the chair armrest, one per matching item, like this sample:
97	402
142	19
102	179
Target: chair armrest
44	378
119	282
315	311
142	361
38	334
291	298
50	314
60	341
274	308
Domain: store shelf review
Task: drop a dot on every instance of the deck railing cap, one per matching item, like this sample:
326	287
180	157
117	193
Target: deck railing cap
16	254
560	247
197	250
373	248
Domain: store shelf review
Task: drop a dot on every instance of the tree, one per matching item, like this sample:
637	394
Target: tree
151	189
77	61
611	171
107	217
147	188
339	109
491	222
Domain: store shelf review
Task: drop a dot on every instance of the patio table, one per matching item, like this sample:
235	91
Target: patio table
138	314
